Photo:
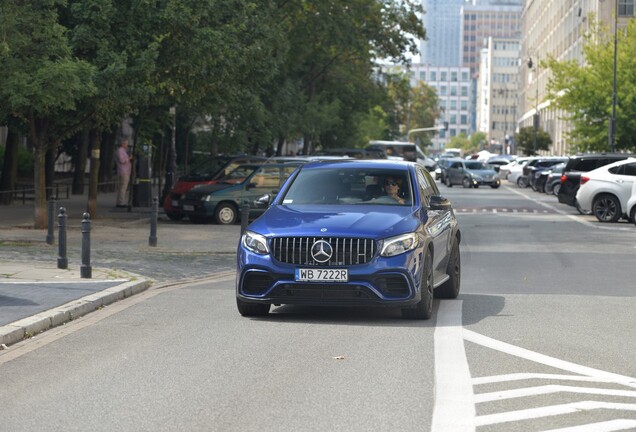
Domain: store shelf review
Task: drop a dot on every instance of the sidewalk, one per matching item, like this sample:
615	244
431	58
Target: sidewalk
36	295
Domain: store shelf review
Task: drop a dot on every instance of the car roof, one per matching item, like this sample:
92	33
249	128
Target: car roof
360	163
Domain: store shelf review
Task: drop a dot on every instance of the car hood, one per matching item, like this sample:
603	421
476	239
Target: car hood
372	221
486	172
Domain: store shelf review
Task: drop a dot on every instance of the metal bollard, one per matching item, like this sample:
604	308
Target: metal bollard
245	216
86	271
62	260
50	236
152	240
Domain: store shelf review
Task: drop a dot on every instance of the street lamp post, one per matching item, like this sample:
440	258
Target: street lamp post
612	122
535	117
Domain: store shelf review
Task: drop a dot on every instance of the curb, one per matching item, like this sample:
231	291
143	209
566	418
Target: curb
30	326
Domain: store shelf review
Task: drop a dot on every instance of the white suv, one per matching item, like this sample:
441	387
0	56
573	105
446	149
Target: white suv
605	191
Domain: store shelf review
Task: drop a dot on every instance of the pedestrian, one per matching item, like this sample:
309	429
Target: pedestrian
124	165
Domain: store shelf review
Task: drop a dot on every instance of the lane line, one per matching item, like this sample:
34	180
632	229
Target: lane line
454	409
549	411
607	426
547	360
549	389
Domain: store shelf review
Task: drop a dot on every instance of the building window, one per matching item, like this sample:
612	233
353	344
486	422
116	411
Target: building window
463	119
442	90
422	76
464	76
464	91
453	76
626	8
433	76
453	90
443	76
453	105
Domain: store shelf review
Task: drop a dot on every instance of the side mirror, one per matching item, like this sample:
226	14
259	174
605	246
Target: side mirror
263	201
250	186
438	202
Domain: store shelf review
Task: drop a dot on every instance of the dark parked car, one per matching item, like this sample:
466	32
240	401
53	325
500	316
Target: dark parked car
471	173
222	201
552	179
207	171
532	169
333	237
571	177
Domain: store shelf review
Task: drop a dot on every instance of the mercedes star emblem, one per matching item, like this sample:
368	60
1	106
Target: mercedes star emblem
321	251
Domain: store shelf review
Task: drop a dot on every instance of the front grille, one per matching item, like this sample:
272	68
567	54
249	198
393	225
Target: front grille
346	251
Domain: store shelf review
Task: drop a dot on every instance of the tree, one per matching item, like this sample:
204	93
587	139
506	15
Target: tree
460	141
525	140
584	91
42	82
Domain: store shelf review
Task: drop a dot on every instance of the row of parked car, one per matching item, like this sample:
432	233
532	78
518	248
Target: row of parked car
219	187
600	184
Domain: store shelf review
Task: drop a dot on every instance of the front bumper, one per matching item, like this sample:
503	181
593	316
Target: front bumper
388	282
482	182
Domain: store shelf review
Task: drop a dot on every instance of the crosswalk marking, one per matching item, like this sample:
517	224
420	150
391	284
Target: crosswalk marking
606	426
532	376
547	411
548	389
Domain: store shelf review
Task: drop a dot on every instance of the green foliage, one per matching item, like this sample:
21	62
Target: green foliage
525	140
584	92
25	161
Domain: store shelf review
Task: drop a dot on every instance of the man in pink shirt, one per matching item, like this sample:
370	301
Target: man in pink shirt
123	160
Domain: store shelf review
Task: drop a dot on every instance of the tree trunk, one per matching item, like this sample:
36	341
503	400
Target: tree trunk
49	171
80	163
91	207
9	168
39	183
279	146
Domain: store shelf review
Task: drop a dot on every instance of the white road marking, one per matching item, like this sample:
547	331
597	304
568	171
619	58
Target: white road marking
454	409
549	389
547	360
529	376
607	426
547	411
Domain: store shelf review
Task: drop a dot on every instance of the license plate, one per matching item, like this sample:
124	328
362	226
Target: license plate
321	275
188	207
175	203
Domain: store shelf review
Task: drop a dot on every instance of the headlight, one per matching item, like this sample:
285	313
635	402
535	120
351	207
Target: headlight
400	244
255	243
206	198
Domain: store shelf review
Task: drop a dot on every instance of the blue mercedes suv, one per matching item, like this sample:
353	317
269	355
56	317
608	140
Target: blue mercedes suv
352	233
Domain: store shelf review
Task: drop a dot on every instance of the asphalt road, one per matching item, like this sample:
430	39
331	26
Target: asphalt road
540	339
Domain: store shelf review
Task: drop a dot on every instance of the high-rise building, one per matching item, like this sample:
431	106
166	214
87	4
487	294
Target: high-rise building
442	22
557	29
497	93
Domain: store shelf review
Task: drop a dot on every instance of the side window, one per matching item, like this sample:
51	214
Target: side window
618	170
267	177
422	185
630	169
456	165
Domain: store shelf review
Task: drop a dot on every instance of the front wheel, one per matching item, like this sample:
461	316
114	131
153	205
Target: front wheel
252	309
225	214
424	308
607	208
556	188
466	183
522	182
632	215
448	182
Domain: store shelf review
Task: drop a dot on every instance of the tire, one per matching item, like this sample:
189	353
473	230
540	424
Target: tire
424	308
450	288
606	208
175	216
225	214
556	188
252	309
522	182
495	186
632	215
448	182
466	183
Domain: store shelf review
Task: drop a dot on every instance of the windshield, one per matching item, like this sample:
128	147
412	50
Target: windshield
207	169
476	166
238	175
350	186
